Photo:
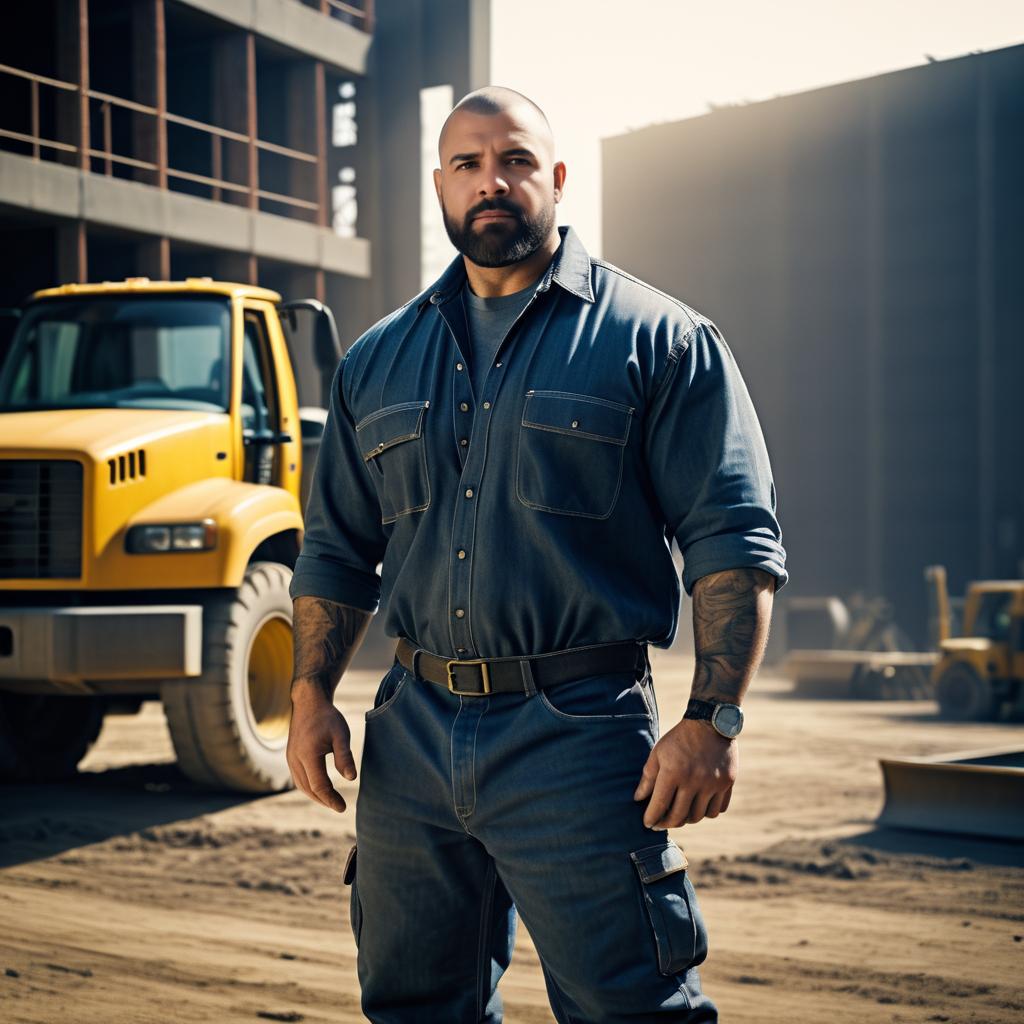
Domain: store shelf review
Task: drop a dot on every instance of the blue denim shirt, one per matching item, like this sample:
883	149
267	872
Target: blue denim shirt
538	516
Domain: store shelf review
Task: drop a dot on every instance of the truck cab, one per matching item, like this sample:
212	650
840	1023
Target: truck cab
151	494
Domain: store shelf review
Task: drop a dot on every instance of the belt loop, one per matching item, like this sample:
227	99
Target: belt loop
647	660
415	664
526	671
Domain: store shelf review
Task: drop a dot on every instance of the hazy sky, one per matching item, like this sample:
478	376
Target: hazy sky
601	67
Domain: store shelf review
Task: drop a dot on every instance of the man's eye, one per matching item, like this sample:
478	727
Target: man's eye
468	163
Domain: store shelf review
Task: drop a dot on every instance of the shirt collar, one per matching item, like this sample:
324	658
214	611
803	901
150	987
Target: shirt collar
569	269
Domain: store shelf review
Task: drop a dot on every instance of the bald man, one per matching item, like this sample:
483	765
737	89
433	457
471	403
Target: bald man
518	446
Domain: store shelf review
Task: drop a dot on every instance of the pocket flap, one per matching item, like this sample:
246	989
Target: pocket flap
654	862
579	415
390	426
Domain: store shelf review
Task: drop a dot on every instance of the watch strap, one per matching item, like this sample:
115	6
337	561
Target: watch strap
702	710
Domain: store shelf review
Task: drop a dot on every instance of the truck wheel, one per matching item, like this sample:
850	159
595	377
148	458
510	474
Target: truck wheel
43	737
230	726
964	696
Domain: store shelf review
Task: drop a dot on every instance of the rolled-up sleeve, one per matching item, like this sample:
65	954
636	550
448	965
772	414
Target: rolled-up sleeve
709	464
344	540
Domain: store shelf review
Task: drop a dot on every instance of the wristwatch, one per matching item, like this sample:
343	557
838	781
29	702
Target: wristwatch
727	719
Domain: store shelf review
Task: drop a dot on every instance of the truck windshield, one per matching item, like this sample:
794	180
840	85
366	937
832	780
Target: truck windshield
993	620
118	351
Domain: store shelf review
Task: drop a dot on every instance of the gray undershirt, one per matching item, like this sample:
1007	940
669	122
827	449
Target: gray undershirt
488	321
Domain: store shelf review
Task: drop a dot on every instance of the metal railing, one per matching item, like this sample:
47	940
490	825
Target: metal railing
107	156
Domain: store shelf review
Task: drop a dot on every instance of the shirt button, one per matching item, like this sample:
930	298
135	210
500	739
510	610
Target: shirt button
460	650
575	423
464	406
459	613
462	554
498	364
487	405
458	366
469	492
464	442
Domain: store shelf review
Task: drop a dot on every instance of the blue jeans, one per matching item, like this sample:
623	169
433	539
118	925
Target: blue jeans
470	809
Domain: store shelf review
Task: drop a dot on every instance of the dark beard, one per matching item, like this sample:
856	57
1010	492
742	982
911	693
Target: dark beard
499	245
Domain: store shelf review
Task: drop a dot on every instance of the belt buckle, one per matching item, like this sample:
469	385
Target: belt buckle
485	675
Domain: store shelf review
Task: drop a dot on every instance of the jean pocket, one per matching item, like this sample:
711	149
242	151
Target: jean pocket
394	449
355	910
388	692
598	698
571	450
680	936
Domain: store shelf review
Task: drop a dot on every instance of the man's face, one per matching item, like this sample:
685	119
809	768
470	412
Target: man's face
497	185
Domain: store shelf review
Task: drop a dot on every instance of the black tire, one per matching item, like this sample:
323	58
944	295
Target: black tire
44	736
230	726
964	696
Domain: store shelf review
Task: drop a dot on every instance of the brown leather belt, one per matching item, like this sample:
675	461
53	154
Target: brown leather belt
477	677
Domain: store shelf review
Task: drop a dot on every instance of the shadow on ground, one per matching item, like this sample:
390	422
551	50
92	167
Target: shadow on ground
947	845
38	821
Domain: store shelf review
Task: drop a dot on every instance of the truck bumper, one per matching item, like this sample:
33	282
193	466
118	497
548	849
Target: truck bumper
75	645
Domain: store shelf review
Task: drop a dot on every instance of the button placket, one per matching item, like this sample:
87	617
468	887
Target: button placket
464	525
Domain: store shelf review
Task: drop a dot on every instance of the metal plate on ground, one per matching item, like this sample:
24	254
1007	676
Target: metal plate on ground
975	792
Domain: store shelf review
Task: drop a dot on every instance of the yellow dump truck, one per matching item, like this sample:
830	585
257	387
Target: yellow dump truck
151	494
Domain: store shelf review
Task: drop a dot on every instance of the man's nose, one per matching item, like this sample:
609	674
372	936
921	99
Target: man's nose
492	183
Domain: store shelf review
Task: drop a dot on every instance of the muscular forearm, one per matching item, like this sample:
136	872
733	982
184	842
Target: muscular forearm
327	635
731	611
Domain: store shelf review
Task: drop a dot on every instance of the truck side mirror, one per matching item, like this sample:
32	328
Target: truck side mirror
326	344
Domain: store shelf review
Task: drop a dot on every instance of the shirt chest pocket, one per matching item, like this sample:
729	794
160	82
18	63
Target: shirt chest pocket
571	450
393	446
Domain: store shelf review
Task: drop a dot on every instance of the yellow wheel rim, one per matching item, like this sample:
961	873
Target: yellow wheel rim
270	672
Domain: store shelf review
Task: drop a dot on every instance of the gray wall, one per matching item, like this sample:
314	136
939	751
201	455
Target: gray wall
860	247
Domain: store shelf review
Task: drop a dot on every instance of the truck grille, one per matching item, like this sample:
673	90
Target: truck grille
40	519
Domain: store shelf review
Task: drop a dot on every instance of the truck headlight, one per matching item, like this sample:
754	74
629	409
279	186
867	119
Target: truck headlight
154	539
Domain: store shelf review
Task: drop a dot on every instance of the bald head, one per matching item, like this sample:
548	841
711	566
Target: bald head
492	100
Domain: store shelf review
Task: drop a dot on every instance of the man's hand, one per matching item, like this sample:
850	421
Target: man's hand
326	636
317	729
689	775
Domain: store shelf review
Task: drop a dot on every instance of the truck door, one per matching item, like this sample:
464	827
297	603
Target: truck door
260	411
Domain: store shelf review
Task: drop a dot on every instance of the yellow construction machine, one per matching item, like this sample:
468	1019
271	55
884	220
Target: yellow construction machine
151	495
980	675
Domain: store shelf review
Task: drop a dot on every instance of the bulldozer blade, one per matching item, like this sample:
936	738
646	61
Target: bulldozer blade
975	792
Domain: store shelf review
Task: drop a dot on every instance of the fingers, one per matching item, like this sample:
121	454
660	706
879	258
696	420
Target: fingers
679	810
320	787
661	800
299	776
725	802
715	807
343	759
647	778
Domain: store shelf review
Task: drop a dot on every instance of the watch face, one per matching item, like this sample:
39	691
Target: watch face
728	719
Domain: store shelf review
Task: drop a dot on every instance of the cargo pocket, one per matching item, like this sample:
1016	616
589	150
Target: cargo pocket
394	449
355	910
571	449
679	933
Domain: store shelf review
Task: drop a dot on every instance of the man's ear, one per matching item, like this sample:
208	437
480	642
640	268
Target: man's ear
558	177
437	183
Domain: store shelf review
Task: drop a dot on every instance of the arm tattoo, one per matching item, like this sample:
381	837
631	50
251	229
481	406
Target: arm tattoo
326	637
731	610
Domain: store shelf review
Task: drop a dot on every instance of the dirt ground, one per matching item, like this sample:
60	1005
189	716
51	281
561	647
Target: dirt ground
129	896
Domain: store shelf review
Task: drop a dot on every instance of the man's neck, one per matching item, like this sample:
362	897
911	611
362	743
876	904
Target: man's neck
492	282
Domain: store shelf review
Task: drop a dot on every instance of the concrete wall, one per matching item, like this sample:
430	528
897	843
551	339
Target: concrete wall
860	248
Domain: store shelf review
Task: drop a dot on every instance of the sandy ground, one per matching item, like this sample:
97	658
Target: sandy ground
129	896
